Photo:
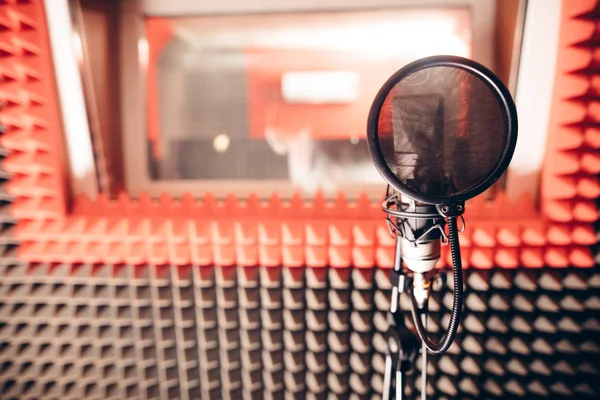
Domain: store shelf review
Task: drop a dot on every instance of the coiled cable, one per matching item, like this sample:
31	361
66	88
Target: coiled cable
457	305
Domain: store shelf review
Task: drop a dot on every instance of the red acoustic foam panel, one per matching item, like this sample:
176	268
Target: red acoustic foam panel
30	114
291	233
298	232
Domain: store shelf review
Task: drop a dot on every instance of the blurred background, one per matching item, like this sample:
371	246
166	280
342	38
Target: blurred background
282	89
188	209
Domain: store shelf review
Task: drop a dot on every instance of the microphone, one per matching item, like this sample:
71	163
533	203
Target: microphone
440	131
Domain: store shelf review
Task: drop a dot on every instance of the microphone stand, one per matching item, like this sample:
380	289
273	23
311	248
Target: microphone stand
402	344
424	357
423	252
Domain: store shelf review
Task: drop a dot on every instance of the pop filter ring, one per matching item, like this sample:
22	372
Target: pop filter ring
496	87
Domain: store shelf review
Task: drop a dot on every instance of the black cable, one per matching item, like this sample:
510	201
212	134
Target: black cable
457	305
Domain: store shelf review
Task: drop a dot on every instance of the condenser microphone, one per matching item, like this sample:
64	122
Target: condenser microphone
440	131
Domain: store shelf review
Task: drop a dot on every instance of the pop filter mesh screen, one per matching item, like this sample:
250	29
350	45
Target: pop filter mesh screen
442	131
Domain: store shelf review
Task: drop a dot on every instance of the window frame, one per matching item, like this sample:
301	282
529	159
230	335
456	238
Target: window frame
134	61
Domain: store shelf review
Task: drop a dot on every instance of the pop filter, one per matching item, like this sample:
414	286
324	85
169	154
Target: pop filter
442	129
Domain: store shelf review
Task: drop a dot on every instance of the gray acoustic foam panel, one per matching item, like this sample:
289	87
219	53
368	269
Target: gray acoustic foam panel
8	244
129	332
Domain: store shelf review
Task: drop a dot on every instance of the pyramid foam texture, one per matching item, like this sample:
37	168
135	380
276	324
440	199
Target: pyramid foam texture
125	332
73	330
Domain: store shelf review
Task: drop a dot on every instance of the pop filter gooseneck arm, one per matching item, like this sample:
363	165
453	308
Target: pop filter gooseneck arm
457	304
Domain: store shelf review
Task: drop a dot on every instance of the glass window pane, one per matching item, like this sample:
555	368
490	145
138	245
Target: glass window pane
280	97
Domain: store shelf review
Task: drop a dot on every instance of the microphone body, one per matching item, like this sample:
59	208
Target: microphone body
418	242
